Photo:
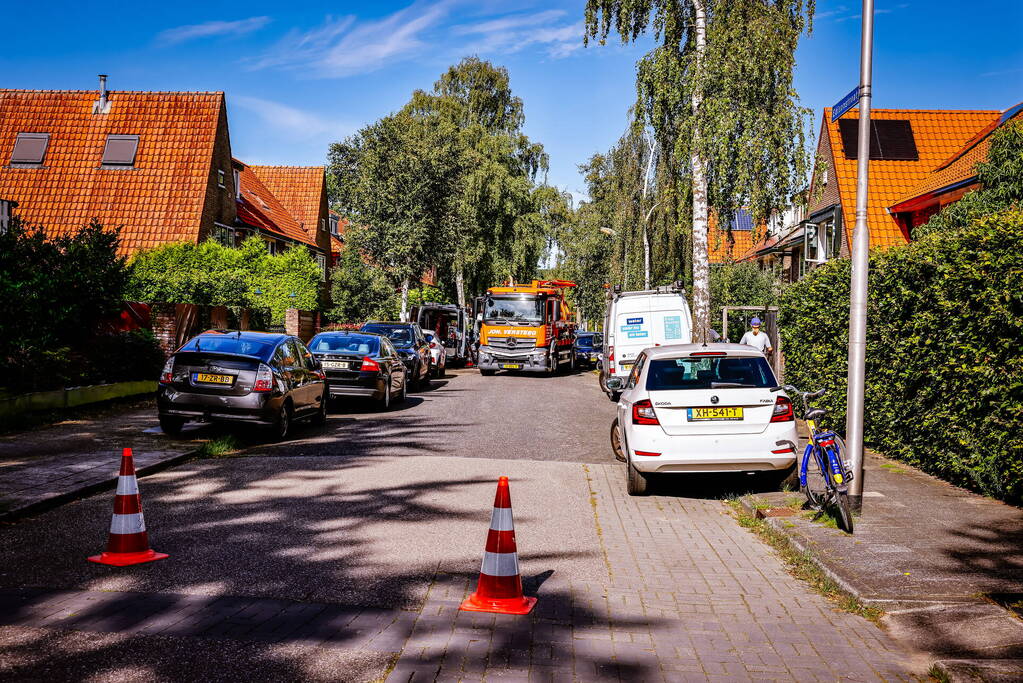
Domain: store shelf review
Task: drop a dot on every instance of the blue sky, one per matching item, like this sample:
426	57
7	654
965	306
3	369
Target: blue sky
299	75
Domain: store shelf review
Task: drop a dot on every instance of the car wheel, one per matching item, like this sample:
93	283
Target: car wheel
282	424
487	373
171	426
616	441
636	483
785	480
320	417
571	362
400	398
424	378
385	402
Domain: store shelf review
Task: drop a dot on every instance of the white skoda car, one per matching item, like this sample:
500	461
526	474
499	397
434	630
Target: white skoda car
702	408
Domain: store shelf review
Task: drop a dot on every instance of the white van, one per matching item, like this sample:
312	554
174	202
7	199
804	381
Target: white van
638	320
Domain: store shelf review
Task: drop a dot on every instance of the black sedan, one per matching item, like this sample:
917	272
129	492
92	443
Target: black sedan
252	377
360	364
410	343
587	348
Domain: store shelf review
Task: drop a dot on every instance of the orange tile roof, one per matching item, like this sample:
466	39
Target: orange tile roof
962	166
938	135
722	249
159	200
260	207
299	188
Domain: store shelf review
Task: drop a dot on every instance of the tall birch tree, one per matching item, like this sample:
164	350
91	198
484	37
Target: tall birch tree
717	91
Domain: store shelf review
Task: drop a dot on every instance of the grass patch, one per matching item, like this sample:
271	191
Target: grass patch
938	674
802	566
826	519
220	447
892	467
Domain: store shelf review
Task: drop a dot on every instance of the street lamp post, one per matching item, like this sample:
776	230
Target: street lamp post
860	264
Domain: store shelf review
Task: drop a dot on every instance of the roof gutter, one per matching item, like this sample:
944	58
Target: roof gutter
924	200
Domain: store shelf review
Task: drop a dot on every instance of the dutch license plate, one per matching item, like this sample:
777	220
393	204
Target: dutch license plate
206	378
701	414
511	366
335	365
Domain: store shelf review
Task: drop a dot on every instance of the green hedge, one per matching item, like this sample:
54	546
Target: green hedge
944	385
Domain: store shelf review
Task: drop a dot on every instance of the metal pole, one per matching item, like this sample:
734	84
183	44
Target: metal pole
860	263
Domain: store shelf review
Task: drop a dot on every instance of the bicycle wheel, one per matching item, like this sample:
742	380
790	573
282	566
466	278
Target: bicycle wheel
816	490
845	518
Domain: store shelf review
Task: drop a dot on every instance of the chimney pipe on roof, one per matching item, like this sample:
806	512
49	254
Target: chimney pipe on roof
102	106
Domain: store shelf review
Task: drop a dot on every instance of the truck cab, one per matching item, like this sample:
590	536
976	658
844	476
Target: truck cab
528	328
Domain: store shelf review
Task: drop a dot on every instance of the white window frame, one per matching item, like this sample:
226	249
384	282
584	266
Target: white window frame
321	261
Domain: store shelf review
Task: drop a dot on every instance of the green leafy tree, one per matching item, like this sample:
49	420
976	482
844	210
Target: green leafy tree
495	216
359	291
394	177
717	91
1001	179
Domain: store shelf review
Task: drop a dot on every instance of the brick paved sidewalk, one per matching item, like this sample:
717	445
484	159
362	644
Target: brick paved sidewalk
690	596
45	467
935	557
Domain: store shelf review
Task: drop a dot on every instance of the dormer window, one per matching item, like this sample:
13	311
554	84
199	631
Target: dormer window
333	225
30	149
220	177
120	150
237	185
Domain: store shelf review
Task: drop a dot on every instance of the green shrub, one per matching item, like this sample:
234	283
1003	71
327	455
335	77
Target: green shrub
944	387
210	273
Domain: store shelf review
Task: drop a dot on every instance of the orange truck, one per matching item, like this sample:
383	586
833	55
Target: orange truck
529	328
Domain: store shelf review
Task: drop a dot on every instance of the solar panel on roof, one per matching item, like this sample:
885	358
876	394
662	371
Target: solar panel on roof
890	140
742	221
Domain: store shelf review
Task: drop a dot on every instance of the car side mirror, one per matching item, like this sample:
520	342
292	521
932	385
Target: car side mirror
615	383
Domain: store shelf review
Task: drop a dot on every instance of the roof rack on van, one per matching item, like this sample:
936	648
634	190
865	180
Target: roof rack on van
674	288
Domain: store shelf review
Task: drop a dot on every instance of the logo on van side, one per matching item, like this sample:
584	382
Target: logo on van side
634	321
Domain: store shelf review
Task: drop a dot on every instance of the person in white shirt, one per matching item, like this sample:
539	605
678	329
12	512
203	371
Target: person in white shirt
756	338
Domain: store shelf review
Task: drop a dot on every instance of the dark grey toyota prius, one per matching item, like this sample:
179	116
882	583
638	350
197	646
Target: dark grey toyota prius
254	377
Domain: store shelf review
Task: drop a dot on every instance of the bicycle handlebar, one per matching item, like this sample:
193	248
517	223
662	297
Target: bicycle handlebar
806	396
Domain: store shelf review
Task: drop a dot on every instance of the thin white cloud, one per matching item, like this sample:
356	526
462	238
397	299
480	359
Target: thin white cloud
293	123
210	29
346	46
507	23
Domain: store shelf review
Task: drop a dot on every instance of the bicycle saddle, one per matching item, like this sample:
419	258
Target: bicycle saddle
816	414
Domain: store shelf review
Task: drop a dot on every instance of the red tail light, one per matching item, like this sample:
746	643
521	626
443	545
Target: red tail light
781	451
611	360
369	365
783	410
264	378
643	413
167	376
647	453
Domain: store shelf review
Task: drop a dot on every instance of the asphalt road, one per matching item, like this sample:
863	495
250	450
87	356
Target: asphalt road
565	418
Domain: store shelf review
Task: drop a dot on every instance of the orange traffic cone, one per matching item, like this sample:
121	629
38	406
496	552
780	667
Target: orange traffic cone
500	585
128	542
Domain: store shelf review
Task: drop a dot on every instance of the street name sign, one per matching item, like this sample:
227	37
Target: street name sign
845	104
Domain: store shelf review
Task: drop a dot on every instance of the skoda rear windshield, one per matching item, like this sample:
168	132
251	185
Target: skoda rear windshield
359	344
739	372
589	340
216	343
514	309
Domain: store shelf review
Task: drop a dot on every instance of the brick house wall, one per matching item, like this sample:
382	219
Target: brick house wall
219	205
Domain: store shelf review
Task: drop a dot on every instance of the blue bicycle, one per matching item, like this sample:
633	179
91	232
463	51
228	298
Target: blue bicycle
824	473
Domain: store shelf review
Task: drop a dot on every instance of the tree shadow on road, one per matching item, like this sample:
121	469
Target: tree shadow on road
288	535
